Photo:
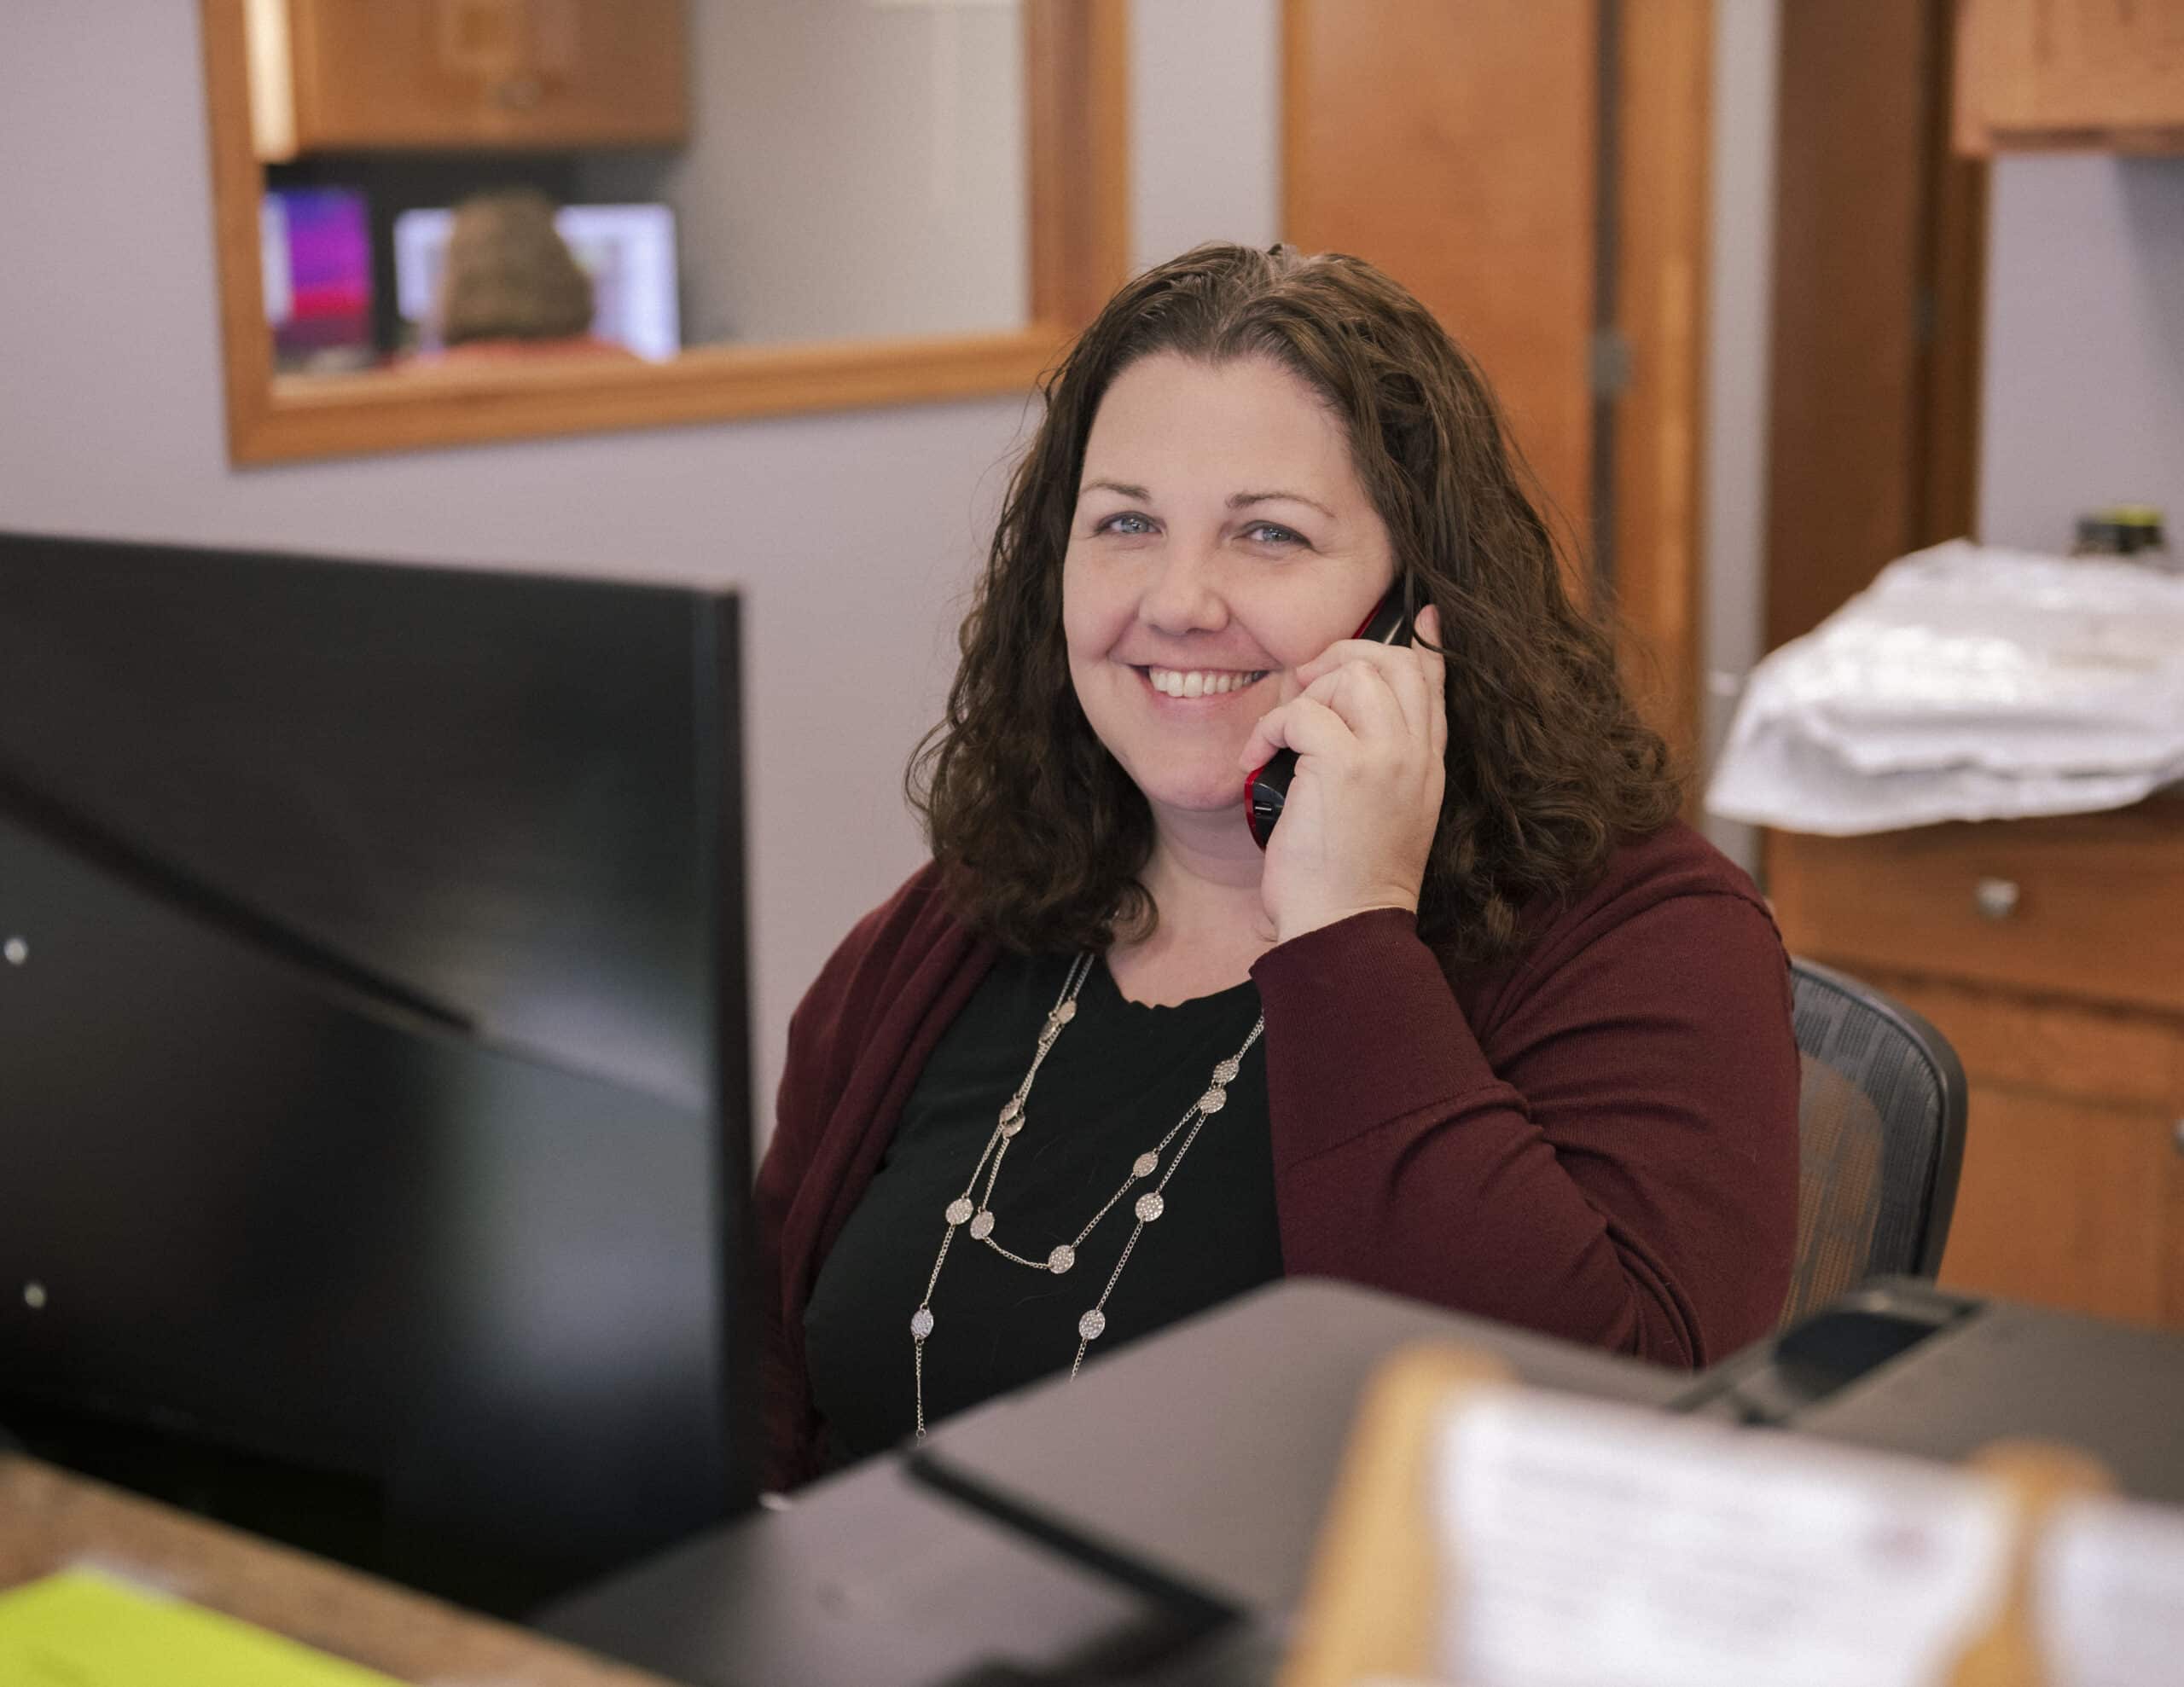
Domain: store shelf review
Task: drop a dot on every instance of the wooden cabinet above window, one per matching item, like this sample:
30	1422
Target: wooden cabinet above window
332	75
2104	75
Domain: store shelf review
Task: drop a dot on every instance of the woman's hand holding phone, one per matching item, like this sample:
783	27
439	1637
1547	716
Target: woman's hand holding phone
1369	725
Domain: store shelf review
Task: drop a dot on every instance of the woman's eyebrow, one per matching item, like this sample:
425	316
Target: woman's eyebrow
1245	500
1239	500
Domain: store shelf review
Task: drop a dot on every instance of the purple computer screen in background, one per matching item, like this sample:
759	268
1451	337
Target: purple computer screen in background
318	275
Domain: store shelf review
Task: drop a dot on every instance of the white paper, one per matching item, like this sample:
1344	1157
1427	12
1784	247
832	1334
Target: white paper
2108	1595
1599	1546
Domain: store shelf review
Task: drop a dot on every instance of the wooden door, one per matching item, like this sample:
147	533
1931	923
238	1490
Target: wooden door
1460	148
1879	252
1454	146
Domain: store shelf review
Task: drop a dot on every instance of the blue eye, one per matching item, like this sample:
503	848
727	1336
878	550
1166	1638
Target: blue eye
1113	524
1271	533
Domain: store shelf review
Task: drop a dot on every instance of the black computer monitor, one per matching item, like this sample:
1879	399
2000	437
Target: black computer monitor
375	1095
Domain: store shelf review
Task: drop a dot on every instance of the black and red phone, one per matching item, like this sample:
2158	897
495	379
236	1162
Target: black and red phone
1267	790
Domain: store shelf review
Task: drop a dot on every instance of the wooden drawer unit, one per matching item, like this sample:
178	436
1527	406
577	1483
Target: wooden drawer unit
2072	1193
2088	906
365	74
2051	954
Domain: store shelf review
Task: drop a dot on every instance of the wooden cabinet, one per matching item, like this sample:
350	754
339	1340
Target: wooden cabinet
2105	74
2051	954
368	74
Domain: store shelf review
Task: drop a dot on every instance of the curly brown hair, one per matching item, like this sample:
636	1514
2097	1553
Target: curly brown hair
1041	833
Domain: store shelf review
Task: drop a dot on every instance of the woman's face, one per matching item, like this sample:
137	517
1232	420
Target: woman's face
1222	540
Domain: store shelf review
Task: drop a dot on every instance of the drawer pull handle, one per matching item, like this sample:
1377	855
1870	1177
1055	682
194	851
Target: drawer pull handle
2176	1136
1996	898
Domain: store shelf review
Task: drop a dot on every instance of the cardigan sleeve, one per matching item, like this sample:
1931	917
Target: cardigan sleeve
784	1394
814	1073
1618	1164
851	1039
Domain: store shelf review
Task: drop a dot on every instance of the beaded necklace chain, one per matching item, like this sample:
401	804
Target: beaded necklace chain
973	1208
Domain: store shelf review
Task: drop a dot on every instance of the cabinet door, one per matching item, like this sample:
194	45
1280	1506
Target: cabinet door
2072	1193
2065	72
2069	1204
372	73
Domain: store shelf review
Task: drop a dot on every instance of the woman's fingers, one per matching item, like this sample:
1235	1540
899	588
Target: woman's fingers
1358	698
1369	726
1414	674
1304	724
1366	698
1384	708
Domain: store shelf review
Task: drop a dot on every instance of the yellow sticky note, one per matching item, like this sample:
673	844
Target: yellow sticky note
79	1630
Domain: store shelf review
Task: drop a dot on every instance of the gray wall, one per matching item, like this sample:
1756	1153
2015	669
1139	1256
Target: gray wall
2084	397
110	424
1740	280
1205	118
834	142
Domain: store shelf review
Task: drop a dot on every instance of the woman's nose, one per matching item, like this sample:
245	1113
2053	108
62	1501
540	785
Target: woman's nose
1184	594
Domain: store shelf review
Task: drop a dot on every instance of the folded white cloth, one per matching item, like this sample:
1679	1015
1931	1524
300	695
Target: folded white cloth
1965	683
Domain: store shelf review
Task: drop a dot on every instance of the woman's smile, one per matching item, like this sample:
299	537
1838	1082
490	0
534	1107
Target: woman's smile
1184	684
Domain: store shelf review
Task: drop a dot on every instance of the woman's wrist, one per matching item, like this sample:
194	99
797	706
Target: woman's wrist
1305	920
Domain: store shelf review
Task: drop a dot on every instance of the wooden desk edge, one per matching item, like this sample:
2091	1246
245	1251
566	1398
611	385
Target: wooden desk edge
51	1520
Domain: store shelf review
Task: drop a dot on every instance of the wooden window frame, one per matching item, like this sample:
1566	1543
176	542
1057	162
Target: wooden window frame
1078	109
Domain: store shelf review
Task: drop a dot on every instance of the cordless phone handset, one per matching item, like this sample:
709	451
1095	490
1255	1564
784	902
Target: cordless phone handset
1268	788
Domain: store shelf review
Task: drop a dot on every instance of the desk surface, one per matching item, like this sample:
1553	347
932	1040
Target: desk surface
1204	1452
1210	1449
50	1520
2011	1371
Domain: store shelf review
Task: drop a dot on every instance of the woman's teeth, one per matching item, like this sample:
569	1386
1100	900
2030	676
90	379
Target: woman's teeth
1200	682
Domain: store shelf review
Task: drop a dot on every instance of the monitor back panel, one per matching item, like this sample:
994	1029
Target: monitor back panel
374	1096
481	788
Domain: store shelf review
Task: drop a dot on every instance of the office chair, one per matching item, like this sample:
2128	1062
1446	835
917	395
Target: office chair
1880	1130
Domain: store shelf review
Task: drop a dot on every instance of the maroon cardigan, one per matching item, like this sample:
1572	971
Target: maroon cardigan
1597	1139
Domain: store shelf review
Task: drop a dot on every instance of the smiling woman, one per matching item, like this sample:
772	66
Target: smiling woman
1185	602
1483	1025
938	235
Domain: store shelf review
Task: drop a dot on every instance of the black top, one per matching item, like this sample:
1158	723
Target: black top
1120	1076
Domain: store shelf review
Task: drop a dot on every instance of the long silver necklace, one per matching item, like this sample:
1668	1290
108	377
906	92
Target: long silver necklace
973	1208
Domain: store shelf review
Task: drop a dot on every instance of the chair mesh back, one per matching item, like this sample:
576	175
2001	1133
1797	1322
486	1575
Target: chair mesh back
1871	1127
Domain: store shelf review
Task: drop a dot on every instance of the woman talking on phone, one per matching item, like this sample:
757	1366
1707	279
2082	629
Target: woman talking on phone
1464	1012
